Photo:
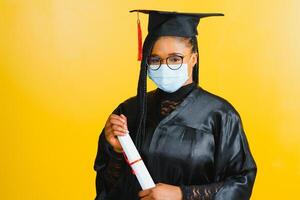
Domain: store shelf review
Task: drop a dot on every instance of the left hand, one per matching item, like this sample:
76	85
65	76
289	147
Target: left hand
161	192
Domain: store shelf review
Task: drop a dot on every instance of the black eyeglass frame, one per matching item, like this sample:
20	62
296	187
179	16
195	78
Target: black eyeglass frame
160	61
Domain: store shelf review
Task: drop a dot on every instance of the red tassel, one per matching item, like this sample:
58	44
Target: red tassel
140	45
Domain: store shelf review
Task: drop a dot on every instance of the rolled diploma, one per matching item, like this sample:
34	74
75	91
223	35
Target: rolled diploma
138	166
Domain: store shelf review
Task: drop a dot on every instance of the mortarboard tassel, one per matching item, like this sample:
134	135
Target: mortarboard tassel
140	45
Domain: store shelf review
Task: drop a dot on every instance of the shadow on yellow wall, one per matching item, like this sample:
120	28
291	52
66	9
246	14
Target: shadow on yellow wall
65	65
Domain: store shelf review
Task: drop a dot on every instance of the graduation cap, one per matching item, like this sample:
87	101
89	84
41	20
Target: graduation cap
162	23
171	23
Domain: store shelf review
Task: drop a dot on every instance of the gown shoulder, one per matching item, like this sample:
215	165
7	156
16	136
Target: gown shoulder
216	102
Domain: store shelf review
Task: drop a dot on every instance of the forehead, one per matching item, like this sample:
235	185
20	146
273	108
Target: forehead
170	44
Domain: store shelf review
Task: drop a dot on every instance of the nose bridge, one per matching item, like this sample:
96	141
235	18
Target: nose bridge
163	61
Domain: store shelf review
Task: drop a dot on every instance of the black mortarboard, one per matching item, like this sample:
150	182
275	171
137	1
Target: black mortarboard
174	23
162	23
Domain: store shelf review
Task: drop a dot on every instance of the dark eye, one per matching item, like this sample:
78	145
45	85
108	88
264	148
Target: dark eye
174	60
153	60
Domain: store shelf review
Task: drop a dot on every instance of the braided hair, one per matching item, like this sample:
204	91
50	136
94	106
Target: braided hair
142	84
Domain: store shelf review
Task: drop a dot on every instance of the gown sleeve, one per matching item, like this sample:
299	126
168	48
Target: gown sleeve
108	165
235	168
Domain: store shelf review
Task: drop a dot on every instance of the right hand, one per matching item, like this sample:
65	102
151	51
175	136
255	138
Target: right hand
115	126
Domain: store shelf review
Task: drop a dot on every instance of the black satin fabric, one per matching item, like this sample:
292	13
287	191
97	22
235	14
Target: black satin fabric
201	142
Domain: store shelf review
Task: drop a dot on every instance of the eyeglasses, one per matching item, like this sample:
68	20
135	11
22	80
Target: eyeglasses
174	62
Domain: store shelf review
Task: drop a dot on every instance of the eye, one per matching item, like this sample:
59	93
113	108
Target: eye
153	60
174	60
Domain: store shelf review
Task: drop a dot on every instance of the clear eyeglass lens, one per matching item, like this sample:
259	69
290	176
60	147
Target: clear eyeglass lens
154	67
153	62
174	62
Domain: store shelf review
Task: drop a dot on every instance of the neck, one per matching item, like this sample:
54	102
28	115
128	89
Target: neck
178	94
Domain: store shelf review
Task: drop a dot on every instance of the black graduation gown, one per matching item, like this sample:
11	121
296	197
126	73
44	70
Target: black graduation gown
200	143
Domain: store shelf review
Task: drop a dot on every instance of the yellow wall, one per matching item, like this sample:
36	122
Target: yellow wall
65	65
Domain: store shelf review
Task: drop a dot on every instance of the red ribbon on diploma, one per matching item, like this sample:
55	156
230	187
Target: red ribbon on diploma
130	163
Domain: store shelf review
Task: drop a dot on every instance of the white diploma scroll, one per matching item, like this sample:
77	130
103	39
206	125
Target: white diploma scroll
136	162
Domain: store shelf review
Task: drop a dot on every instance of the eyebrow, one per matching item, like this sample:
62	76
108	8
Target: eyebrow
170	54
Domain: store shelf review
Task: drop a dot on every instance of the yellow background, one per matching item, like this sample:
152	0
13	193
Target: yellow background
66	64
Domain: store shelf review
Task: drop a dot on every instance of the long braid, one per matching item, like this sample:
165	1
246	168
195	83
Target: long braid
142	92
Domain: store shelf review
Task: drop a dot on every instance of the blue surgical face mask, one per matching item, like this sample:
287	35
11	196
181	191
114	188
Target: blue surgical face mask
167	79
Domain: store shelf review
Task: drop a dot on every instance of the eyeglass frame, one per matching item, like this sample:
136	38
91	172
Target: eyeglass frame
160	61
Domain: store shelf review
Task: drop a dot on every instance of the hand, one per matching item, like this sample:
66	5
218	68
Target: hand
161	192
115	126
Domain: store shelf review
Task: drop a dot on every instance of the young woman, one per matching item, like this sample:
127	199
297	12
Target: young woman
192	141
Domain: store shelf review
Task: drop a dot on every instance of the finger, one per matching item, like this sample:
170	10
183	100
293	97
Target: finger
113	140
118	128
114	116
118	133
116	122
144	193
124	117
110	130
